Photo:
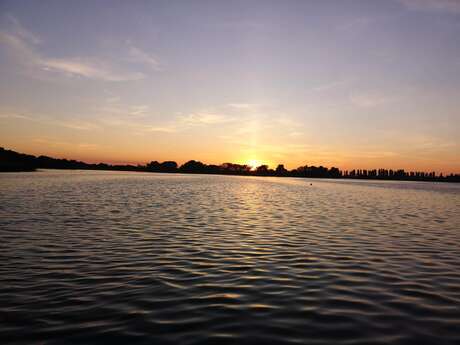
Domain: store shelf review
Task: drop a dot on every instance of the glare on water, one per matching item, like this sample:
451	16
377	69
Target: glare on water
133	257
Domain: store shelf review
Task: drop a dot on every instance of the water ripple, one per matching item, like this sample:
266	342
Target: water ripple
107	257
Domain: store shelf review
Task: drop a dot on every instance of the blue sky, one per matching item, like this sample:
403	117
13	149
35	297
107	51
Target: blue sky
347	83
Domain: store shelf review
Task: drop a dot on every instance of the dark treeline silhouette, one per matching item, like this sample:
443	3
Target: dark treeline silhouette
14	161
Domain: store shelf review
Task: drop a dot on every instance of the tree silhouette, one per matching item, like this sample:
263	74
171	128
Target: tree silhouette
14	161
262	170
168	166
280	170
193	166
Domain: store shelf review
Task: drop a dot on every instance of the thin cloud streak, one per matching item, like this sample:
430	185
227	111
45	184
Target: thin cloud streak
15	116
56	143
165	129
244	106
71	124
114	106
24	45
138	55
205	119
189	121
98	70
22	32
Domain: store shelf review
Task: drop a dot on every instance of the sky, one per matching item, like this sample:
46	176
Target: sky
346	83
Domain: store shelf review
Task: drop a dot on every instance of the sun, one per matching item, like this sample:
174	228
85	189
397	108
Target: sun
253	163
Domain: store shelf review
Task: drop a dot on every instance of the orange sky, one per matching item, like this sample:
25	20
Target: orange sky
340	85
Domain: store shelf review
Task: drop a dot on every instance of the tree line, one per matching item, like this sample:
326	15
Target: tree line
14	161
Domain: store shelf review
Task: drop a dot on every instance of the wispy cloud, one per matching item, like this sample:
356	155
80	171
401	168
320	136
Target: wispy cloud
427	143
91	69
369	154
138	55
114	106
205	119
115	113
56	143
184	122
9	115
244	106
138	110
74	124
21	31
21	49
164	129
24	45
272	127
452	6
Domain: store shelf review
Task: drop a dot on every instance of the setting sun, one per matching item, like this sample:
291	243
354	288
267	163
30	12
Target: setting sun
230	171
254	163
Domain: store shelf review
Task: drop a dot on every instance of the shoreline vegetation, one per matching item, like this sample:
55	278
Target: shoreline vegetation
12	161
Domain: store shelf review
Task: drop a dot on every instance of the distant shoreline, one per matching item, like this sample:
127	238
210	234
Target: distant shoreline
12	161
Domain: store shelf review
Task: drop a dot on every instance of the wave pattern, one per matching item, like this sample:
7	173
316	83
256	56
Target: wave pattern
106	257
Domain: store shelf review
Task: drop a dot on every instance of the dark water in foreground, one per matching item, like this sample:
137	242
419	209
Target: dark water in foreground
88	257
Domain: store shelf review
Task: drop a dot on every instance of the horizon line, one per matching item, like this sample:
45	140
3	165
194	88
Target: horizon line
252	169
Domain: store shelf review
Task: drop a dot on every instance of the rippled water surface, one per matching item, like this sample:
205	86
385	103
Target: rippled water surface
110	257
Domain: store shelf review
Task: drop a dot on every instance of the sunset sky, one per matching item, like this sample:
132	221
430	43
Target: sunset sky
353	84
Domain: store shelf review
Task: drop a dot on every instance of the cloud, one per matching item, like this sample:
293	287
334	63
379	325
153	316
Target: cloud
204	119
115	106
452	6
21	31
141	56
15	116
55	143
264	128
180	123
369	154
88	146
165	129
244	106
24	46
138	110
197	119
185	122
139	127
427	143
77	125
95	69
72	123
19	47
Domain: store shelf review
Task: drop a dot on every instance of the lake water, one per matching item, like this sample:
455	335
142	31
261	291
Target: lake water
113	257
